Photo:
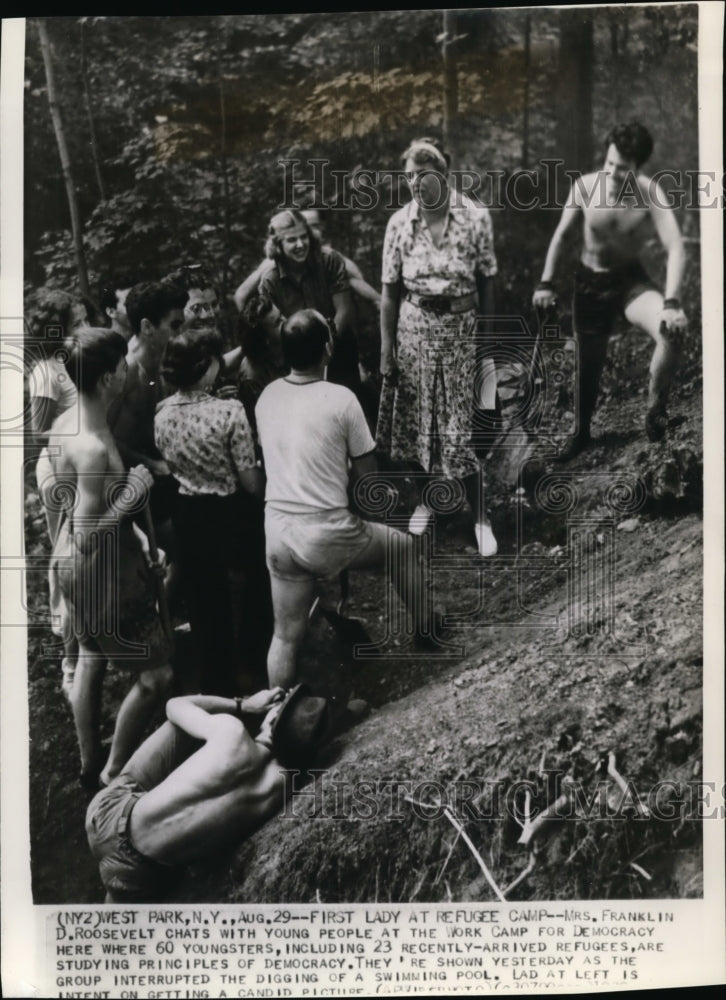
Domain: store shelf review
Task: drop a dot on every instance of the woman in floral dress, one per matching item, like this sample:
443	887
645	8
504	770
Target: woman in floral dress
438	262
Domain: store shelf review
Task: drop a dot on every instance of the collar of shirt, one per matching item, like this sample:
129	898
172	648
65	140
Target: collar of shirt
459	208
184	396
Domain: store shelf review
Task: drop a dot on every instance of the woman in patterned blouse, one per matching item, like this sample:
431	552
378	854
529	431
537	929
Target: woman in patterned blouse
208	445
438	261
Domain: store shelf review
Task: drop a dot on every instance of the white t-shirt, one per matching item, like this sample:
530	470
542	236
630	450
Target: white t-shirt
308	431
50	380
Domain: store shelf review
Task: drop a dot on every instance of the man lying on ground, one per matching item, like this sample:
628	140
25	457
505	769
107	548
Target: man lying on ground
198	782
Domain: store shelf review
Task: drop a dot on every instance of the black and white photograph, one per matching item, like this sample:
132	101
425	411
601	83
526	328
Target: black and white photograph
362	514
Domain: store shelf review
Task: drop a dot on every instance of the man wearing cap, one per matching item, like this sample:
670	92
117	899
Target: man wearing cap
614	205
198	782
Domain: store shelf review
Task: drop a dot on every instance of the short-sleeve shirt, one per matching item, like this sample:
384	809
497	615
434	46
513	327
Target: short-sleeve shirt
308	431
206	442
466	249
50	380
323	276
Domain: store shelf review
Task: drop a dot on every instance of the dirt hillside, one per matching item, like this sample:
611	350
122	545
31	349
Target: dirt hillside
582	639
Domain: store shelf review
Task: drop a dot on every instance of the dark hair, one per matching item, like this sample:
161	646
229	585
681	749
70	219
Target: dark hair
153	300
188	355
53	312
91	352
304	336
252	334
288	218
632	140
190	276
111	283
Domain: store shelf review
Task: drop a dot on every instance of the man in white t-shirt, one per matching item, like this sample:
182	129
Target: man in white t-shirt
315	438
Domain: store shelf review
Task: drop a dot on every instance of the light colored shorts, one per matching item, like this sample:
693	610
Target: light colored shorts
319	545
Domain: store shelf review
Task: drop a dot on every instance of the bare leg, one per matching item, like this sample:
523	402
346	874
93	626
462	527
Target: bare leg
291	600
85	701
644	312
134	715
407	573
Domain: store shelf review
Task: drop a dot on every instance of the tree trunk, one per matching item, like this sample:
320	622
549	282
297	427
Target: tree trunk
525	95
575	92
451	85
91	121
225	185
615	63
55	113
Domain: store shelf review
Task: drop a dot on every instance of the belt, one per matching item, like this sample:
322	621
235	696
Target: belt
442	303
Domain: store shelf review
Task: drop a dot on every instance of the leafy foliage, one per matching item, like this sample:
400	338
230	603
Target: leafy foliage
192	116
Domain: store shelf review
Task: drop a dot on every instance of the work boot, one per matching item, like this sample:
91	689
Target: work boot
656	422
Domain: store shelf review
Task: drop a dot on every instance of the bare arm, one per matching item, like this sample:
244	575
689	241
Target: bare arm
343	305
249	285
358	283
545	298
390	300
93	512
232	361
156	466
42	414
195	713
669	233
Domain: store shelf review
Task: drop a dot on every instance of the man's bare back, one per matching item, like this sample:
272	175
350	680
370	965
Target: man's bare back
226	789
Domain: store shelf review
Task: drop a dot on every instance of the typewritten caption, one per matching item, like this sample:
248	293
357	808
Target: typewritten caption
337	951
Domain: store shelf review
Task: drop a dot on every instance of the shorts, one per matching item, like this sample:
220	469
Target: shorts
126	873
319	545
601	296
110	597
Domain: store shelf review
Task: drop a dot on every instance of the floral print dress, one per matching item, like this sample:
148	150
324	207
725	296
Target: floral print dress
426	416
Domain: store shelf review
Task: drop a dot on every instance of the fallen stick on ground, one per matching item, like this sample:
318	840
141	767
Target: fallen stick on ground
454	842
487	874
551	812
625	788
523	874
641	871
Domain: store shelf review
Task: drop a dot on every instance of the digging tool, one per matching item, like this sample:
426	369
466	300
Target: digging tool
517	442
348	630
160	592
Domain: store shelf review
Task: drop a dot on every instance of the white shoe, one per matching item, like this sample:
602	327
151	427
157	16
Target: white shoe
420	520
485	539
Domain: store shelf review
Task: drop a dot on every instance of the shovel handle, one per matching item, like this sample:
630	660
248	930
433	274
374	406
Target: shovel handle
160	591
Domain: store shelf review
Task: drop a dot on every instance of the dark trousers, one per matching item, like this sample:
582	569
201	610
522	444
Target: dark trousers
222	556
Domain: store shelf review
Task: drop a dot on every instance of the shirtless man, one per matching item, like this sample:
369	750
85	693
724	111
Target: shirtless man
101	558
614	205
176	801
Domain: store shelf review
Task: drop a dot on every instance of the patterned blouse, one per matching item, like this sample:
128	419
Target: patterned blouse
205	441
466	249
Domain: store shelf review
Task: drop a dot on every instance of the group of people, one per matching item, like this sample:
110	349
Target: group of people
177	472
